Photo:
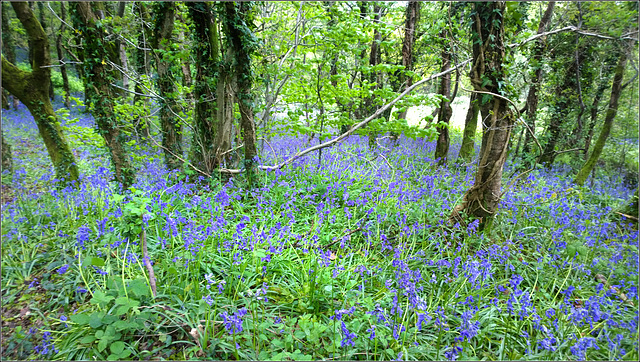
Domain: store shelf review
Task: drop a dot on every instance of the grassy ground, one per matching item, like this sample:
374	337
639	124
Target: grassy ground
347	259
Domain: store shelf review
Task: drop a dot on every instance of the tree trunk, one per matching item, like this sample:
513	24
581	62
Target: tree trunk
206	52
374	76
442	145
169	123
32	89
243	42
540	46
122	51
565	98
412	16
8	49
470	126
63	66
616	89
100	94
143	67
593	120
481	200
44	27
7	159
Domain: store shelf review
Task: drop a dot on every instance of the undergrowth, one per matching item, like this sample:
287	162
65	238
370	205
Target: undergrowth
350	258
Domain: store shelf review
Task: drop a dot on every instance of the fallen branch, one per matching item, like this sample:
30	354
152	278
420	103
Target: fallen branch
602	279
627	216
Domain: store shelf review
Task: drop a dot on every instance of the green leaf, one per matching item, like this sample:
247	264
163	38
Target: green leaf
102	344
139	287
97	261
88	339
81	319
117	347
95	321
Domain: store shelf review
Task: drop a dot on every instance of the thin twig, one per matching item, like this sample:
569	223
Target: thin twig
145	258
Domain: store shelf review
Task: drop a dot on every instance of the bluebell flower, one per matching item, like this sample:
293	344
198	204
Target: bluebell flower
63	269
348	336
453	353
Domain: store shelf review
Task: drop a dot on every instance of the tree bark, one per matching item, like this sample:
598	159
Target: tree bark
32	88
481	200
444	115
616	90
100	93
375	78
169	123
412	16
540	46
470	126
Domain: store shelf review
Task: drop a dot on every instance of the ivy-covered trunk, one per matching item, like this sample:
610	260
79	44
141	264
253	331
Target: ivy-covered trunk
32	88
169	122
206	52
445	112
99	91
616	89
243	42
481	200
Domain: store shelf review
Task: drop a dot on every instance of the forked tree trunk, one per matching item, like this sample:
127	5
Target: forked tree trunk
169	122
470	126
444	115
481	200
616	90
98	89
32	88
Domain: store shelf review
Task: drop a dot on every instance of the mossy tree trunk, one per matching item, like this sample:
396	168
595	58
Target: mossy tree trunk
481	200
616	90
101	95
32	88
470	126
244	43
445	112
169	122
206	51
